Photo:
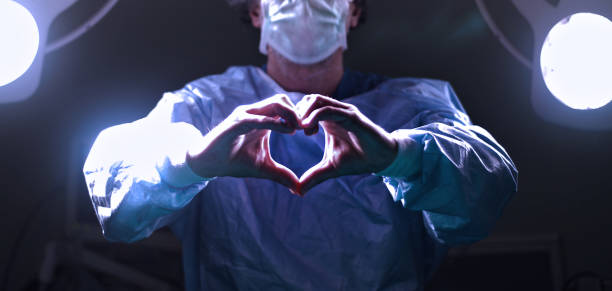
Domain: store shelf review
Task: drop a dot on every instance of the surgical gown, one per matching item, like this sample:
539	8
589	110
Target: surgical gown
384	231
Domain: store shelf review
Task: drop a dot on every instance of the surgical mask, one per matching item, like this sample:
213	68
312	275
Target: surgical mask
304	31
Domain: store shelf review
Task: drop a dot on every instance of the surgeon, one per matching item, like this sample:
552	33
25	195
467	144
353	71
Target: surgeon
301	175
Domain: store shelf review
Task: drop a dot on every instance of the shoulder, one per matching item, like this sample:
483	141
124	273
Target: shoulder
232	75
424	90
235	82
410	101
418	86
236	78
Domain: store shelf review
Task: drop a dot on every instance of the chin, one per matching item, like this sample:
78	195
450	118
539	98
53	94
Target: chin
279	58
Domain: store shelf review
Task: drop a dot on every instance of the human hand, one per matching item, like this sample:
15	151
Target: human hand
239	145
353	143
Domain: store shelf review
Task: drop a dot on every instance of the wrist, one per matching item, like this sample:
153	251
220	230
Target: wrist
192	161
407	161
174	169
389	155
173	165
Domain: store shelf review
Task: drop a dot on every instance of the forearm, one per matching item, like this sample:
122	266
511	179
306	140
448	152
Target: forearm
459	176
135	180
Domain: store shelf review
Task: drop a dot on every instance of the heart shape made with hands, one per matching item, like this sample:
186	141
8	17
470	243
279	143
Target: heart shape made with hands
353	143
240	145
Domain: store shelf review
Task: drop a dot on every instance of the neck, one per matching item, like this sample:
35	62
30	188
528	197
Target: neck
320	78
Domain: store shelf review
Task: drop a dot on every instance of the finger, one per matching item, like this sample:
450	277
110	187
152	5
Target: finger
321	100
270	107
312	102
250	122
284	99
282	175
316	175
311	130
327	113
277	109
272	123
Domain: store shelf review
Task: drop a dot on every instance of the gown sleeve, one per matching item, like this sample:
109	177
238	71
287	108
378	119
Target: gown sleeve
454	172
136	173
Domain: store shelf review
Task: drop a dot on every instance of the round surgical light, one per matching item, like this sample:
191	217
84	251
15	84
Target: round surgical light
19	39
576	61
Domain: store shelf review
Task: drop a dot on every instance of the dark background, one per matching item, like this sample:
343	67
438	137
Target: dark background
118	71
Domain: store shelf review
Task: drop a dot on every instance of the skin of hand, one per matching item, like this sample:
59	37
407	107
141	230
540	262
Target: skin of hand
353	143
239	145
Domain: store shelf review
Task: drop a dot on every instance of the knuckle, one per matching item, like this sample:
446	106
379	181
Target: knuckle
285	98
328	109
321	97
235	117
283	107
240	109
239	127
280	98
252	122
292	113
319	100
244	122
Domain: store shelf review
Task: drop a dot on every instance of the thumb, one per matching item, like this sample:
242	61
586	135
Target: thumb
282	175
319	173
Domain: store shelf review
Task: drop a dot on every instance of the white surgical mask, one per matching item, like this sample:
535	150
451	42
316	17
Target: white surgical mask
304	31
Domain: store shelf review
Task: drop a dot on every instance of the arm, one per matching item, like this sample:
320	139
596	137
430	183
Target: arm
441	164
456	173
136	172
141	174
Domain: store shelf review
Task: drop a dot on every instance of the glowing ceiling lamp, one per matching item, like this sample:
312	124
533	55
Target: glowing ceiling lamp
19	37
576	61
24	26
572	57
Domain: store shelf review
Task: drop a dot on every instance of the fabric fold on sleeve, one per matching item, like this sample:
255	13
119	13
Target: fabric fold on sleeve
464	179
136	173
172	166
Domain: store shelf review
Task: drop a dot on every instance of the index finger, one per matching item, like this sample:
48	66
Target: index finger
276	108
316	175
311	103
